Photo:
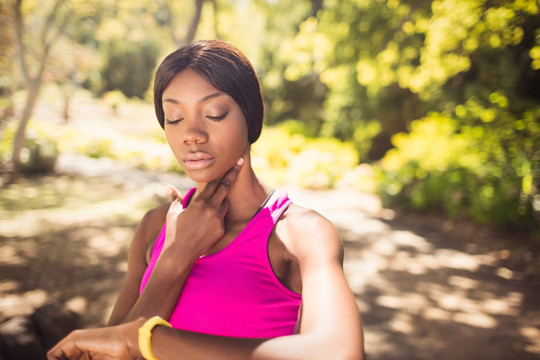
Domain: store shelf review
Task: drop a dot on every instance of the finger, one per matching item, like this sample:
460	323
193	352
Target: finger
175	208
227	181
223	209
57	353
209	189
67	349
175	193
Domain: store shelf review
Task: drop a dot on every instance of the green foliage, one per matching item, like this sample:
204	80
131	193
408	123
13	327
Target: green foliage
395	61
362	136
321	163
283	155
97	148
463	170
293	127
129	66
385	64
39	153
290	80
114	99
6	141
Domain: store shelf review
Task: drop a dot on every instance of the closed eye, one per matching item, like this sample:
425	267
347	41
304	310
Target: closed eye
217	118
172	122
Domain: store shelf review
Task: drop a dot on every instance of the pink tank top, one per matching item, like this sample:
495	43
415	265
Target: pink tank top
234	292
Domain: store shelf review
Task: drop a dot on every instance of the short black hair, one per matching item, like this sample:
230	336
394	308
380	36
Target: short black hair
225	68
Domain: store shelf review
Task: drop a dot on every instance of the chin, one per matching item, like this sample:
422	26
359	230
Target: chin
200	179
204	176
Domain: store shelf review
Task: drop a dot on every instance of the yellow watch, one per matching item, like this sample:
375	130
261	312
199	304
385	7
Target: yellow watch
145	336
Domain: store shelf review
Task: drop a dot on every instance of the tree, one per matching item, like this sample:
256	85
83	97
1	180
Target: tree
70	66
6	50
33	56
472	63
170	13
292	89
132	37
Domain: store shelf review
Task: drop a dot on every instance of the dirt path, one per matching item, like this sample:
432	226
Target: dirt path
430	289
427	288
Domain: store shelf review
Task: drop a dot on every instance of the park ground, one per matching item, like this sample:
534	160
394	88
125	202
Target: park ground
428	287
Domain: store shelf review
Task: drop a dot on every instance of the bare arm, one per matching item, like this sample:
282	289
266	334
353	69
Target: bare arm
146	232
330	325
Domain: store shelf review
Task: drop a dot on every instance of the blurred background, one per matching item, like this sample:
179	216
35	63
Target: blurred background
413	125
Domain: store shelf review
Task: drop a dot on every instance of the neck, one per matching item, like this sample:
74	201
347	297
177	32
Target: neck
245	196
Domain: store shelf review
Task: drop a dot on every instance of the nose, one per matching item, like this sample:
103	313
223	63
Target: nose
195	134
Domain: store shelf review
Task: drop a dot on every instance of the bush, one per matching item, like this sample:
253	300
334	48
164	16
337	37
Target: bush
461	170
39	153
113	99
322	163
6	141
363	136
284	155
129	66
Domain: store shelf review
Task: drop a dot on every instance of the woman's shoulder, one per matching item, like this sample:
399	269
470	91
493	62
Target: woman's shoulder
307	231
156	215
298	217
153	221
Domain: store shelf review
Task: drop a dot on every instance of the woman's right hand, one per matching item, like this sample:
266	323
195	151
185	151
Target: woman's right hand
193	231
110	343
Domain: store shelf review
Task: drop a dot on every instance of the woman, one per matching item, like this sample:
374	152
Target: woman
237	269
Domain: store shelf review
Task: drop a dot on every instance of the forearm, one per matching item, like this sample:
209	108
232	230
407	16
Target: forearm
163	289
169	344
174	344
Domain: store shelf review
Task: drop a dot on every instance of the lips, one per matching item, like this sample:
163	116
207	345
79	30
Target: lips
197	160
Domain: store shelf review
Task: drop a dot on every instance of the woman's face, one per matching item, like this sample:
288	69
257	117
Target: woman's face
205	128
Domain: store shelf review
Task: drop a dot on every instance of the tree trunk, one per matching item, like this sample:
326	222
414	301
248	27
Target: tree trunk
33	83
67	92
18	142
216	21
194	22
191	31
65	110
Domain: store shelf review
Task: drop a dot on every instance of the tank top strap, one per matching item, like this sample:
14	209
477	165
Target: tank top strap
278	203
187	197
274	208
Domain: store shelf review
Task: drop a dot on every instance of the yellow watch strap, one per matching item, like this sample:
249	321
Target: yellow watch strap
145	336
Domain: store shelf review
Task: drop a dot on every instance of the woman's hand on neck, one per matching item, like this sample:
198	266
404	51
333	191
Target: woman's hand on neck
246	194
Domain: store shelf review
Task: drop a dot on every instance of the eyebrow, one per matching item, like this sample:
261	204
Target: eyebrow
201	100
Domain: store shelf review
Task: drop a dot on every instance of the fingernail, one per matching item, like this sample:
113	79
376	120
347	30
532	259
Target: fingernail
240	161
170	189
